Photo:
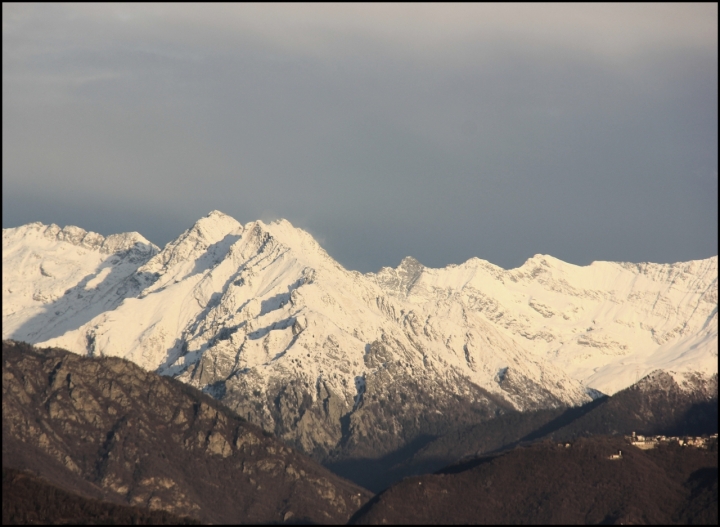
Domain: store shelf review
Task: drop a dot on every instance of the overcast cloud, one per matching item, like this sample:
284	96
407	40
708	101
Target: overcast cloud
588	132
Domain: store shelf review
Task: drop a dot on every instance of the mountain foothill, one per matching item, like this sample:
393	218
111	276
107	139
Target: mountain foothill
241	375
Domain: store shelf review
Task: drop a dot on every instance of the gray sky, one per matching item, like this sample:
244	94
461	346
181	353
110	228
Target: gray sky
586	131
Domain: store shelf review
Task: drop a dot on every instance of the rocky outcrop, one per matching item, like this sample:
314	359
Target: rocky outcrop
108	429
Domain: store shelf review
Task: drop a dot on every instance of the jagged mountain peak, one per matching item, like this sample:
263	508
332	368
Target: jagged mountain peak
410	262
302	243
399	280
217	214
542	259
210	237
544	263
215	223
211	228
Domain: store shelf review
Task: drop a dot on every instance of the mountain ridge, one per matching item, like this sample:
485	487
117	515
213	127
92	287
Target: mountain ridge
344	364
104	428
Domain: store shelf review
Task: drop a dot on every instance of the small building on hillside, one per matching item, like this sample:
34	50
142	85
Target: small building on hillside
640	441
644	445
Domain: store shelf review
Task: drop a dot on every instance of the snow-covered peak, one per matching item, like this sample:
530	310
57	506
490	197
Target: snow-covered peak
55	279
79	237
208	239
215	224
543	259
302	244
210	229
600	322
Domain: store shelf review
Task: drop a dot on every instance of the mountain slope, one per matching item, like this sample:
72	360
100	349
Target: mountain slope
104	428
657	405
27	499
606	324
550	484
345	365
55	280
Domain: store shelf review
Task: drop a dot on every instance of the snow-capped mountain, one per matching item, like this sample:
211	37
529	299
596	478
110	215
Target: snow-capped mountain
261	317
606	324
55	280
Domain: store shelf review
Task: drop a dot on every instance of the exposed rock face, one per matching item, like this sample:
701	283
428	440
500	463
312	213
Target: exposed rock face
391	409
106	428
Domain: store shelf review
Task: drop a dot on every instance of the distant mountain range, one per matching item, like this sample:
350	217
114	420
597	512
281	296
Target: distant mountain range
347	366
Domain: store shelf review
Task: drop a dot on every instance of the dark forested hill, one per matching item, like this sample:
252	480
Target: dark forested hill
27	499
107	429
655	405
549	484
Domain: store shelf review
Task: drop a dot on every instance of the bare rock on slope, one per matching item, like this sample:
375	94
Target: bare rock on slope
105	428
